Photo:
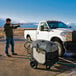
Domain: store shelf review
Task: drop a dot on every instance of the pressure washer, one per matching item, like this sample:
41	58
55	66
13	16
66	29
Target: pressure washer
45	53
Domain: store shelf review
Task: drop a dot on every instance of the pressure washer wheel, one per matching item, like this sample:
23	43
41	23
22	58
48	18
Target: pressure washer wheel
47	67
33	64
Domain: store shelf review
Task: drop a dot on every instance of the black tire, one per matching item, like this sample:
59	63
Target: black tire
61	50
28	38
34	64
47	67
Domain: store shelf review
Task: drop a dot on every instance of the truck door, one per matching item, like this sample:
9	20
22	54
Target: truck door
42	32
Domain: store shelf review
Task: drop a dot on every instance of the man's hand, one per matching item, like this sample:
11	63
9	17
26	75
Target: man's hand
11	25
18	24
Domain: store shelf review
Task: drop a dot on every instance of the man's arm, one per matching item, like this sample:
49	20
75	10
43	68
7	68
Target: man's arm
16	26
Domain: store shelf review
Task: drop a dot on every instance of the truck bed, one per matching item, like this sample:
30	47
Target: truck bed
31	32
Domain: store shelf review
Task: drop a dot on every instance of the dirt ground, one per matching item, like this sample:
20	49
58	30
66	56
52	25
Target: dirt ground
19	65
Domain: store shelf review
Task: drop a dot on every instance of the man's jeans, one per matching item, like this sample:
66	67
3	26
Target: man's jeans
8	42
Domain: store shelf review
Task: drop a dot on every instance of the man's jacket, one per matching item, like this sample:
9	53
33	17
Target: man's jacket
8	29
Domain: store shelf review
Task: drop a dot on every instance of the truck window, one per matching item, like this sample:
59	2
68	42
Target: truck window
43	26
54	25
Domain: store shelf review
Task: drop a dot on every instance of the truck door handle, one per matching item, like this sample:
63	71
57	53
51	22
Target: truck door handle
37	32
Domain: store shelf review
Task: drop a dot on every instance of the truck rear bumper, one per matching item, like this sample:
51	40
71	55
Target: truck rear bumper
70	46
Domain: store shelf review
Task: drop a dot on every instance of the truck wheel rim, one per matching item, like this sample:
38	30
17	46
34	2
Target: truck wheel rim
59	48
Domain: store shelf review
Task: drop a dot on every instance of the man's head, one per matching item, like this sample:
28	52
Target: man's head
8	20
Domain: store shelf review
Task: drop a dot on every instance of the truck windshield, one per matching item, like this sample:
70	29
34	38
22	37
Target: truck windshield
54	25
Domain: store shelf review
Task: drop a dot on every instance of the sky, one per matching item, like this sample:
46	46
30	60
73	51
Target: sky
39	10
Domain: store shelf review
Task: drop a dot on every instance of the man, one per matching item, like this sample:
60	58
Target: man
8	29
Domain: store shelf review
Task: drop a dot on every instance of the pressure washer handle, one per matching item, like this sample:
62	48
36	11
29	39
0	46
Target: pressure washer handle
68	61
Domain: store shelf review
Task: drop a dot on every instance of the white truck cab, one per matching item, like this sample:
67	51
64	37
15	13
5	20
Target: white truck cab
55	31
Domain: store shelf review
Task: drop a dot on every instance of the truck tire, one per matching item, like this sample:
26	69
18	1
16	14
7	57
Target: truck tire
27	44
28	38
60	48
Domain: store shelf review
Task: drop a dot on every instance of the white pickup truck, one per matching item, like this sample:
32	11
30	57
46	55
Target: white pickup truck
56	31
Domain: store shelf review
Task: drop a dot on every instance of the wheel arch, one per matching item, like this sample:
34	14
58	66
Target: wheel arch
57	39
